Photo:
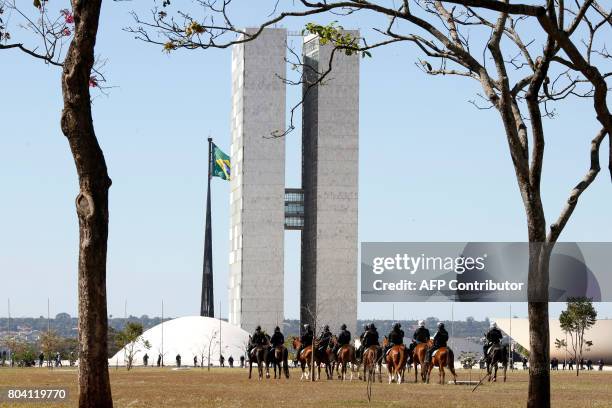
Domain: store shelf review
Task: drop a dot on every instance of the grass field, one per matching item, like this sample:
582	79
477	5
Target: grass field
154	387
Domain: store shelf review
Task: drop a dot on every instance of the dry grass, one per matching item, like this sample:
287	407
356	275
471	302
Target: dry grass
154	387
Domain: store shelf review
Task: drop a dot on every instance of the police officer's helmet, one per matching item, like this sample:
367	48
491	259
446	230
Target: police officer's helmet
493	325
258	328
421	323
277	329
397	326
372	327
326	328
306	326
343	327
366	327
440	325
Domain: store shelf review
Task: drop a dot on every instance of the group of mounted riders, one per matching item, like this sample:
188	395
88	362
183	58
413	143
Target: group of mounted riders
329	348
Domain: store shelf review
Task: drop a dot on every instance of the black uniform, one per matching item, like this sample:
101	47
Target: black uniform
370	338
277	339
305	340
440	340
493	336
396	337
324	339
344	337
421	335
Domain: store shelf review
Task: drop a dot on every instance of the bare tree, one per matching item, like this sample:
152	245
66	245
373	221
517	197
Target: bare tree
77	28
522	76
209	342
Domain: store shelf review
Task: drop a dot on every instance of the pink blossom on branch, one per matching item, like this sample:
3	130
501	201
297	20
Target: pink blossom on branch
68	17
93	81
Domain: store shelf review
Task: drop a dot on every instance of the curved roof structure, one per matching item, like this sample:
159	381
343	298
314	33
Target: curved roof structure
599	334
188	336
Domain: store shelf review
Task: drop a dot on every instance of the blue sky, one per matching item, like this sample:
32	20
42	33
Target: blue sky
432	168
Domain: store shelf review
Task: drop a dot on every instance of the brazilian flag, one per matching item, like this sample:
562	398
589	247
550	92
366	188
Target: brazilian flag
221	166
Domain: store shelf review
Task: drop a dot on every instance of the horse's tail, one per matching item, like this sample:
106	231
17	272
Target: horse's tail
450	360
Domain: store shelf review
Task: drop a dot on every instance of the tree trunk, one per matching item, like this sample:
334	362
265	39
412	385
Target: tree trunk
539	336
91	206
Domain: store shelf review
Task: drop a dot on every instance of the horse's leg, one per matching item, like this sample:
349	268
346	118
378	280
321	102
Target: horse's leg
250	367
442	374
416	380
506	369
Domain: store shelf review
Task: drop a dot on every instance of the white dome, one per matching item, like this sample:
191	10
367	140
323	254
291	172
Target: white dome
189	336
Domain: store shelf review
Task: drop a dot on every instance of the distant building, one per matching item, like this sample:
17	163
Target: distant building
518	329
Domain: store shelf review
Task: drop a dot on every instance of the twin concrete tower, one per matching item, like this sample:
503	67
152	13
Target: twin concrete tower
324	209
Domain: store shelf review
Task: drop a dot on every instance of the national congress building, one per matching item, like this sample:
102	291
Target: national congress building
323	208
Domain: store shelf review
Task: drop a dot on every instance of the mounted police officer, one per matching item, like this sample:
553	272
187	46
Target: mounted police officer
359	351
277	338
421	335
305	340
257	339
396	336
371	337
440	340
344	338
324	339
493	336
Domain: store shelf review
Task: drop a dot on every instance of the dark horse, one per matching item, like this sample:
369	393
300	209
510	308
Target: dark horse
277	357
497	354
257	355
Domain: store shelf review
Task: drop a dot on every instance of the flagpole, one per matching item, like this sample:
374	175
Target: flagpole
207	306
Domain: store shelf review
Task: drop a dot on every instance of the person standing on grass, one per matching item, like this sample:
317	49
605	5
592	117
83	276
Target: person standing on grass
145	360
230	360
178	360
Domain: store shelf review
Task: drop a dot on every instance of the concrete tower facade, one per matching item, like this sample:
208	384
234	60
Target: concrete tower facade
324	208
330	165
257	187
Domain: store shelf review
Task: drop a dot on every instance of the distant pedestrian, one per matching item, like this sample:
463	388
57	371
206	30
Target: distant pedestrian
600	364
195	361
145	360
41	359
178	360
564	363
159	360
241	361
570	365
58	359
524	361
222	360
230	360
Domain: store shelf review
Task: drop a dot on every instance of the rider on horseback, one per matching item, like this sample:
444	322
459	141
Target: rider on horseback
344	338
257	339
371	337
421	335
493	336
305	340
359	351
277	338
396	336
440	339
324	339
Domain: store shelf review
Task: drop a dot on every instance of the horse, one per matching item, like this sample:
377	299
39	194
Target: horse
418	357
258	354
372	357
304	358
344	357
327	358
497	354
279	356
442	357
395	358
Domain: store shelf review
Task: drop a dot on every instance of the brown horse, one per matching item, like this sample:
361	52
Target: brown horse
372	357
418	357
344	357
258	355
304	358
443	357
395	359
